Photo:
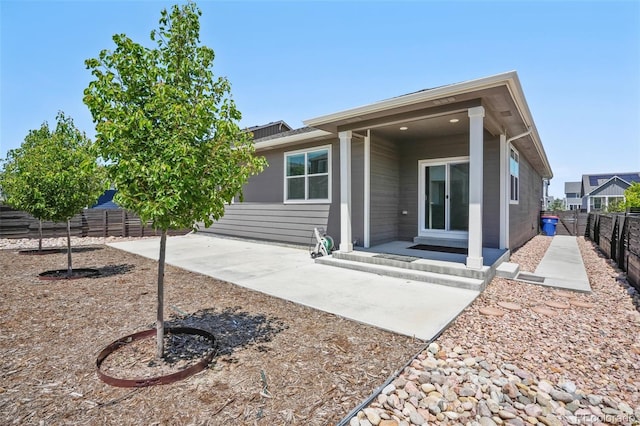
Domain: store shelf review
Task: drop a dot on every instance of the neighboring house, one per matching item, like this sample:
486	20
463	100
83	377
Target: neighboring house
461	163
270	129
105	201
573	195
600	190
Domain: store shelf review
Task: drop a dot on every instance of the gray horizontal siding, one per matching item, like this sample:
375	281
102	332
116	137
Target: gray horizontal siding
385	186
613	188
287	223
410	154
524	217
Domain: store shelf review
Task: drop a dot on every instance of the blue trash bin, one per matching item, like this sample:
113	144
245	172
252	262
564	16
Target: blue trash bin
549	225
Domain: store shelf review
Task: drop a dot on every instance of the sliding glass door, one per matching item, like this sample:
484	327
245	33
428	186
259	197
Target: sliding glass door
444	197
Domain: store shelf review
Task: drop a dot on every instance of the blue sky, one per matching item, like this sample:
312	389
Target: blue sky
578	62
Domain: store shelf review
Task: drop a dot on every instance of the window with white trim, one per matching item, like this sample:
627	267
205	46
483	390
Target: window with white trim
514	171
307	175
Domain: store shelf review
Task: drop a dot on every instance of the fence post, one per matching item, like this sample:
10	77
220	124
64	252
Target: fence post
614	239
124	229
622	242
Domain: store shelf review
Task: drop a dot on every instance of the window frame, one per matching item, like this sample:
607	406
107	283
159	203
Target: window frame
306	152
513	200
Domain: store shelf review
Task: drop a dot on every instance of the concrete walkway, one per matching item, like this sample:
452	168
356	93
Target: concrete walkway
562	265
402	306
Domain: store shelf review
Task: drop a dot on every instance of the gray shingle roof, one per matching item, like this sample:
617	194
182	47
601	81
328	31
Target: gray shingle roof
288	133
593	181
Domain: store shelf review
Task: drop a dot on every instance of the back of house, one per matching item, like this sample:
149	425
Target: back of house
461	163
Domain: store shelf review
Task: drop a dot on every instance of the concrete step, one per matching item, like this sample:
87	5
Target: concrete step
414	264
404	273
508	270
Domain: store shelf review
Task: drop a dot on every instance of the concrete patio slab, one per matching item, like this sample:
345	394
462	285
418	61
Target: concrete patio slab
402	306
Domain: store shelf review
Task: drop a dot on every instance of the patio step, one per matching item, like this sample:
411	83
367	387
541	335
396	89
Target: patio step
415	264
405	273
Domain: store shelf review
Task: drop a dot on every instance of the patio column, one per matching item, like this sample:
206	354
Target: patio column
346	244
367	189
476	146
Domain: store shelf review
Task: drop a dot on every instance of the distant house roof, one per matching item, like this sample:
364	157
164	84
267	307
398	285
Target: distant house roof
285	134
590	183
572	187
105	201
273	128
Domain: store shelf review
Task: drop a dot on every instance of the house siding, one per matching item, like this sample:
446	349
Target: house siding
264	215
524	217
410	154
385	188
434	149
615	188
491	193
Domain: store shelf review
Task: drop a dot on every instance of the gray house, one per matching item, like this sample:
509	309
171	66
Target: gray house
600	190
459	165
573	195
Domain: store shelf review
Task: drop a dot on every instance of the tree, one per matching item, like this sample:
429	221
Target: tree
557	205
53	175
168	130
632	195
615	206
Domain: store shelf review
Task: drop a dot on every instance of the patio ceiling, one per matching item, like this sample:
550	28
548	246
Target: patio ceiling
425	128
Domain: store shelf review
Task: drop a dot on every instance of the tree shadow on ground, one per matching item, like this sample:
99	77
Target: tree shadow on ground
82	249
112	270
232	328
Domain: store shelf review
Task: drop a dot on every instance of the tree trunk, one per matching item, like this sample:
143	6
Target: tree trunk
40	234
160	319
69	270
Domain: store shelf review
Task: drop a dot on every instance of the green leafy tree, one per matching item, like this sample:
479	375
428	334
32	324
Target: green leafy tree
53	175
556	205
168	130
615	206
632	195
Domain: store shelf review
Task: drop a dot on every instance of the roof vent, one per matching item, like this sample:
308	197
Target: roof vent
505	113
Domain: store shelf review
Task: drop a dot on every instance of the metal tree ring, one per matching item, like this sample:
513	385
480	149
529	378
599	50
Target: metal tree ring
158	380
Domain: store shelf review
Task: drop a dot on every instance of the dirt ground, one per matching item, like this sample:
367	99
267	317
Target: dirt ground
278	363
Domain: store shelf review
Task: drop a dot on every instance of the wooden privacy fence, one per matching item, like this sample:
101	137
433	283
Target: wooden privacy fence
88	223
571	222
618	236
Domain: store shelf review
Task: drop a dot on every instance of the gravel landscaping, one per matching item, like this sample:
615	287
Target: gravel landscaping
578	362
548	357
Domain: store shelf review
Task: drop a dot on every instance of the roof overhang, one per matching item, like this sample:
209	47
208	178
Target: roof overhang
484	91
506	112
291	139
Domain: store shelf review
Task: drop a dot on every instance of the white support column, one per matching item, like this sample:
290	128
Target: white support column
346	244
476	147
367	189
504	192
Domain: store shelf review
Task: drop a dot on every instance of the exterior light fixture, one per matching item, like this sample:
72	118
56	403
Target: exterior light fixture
453	120
403	128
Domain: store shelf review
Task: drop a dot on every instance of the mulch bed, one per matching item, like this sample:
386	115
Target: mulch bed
277	362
